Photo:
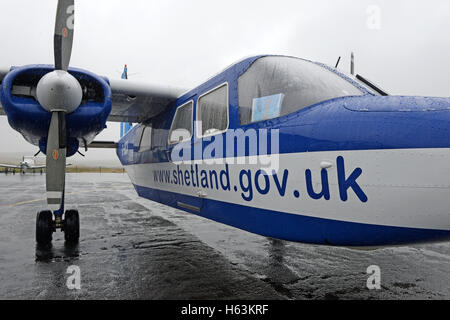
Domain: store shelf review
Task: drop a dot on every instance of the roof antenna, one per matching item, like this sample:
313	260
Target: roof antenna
337	63
352	64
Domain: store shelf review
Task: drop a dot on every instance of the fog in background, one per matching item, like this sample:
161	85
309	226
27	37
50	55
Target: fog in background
403	45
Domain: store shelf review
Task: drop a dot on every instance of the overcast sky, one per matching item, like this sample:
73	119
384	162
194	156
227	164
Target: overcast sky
403	45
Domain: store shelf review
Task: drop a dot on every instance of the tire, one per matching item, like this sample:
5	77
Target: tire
44	227
72	227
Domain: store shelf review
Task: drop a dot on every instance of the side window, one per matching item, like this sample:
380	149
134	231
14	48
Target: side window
181	129
212	111
146	140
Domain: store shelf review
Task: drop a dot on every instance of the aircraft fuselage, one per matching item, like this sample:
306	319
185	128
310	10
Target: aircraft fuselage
352	171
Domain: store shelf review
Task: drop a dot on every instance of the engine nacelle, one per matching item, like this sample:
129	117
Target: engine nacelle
28	117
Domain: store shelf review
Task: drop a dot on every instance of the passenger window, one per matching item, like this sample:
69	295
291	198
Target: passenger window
212	111
181	129
146	140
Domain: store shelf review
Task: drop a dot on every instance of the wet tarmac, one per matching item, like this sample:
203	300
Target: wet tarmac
132	248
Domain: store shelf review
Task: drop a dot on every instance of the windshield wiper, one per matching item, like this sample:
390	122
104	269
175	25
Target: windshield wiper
371	85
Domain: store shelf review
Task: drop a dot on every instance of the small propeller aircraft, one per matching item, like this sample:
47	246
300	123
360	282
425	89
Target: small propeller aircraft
27	163
275	145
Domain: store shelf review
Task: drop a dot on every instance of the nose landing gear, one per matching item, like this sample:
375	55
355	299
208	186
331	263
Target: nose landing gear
72	226
45	226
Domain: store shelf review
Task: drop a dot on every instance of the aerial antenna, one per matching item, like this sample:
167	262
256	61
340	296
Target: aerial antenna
352	64
337	63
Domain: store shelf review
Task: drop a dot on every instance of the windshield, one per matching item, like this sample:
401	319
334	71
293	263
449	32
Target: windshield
277	86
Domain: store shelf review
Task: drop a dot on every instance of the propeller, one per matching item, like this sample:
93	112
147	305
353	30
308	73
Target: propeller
63	38
60	93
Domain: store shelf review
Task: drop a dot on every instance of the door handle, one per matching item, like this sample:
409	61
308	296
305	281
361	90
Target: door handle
202	194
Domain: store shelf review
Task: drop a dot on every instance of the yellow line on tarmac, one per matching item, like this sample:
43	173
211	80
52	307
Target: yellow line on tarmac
25	202
43	199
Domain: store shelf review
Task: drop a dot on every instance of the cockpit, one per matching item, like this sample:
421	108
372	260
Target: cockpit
275	86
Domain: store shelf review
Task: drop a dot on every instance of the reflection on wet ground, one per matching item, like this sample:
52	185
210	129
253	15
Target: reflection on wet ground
132	248
50	253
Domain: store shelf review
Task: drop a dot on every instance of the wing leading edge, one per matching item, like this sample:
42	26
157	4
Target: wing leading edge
7	166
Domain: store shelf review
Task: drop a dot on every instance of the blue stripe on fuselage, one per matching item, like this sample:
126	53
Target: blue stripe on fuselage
365	122
296	228
332	126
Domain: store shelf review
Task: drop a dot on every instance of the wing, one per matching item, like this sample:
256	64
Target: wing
9	166
37	167
136	102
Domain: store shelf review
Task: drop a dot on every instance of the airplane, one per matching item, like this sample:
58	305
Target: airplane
278	146
25	165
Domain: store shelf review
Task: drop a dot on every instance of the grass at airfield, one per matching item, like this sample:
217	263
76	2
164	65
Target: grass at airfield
72	169
94	170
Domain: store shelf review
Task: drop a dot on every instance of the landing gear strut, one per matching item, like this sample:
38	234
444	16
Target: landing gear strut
45	226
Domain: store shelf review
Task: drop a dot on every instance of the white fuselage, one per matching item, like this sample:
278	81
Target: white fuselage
404	188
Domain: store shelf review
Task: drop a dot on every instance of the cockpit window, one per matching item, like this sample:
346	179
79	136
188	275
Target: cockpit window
277	86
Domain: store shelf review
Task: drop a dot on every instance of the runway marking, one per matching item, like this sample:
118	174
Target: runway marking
44	199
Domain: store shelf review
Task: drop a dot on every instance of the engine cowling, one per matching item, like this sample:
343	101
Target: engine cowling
19	98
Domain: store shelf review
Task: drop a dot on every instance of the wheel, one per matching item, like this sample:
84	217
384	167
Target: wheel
44	227
72	226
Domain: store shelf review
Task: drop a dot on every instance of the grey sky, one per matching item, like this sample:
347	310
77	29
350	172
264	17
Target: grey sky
182	43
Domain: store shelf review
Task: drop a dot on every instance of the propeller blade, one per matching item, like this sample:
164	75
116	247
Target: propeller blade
56	161
64	30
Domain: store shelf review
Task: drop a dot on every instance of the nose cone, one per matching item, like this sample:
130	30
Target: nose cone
59	91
